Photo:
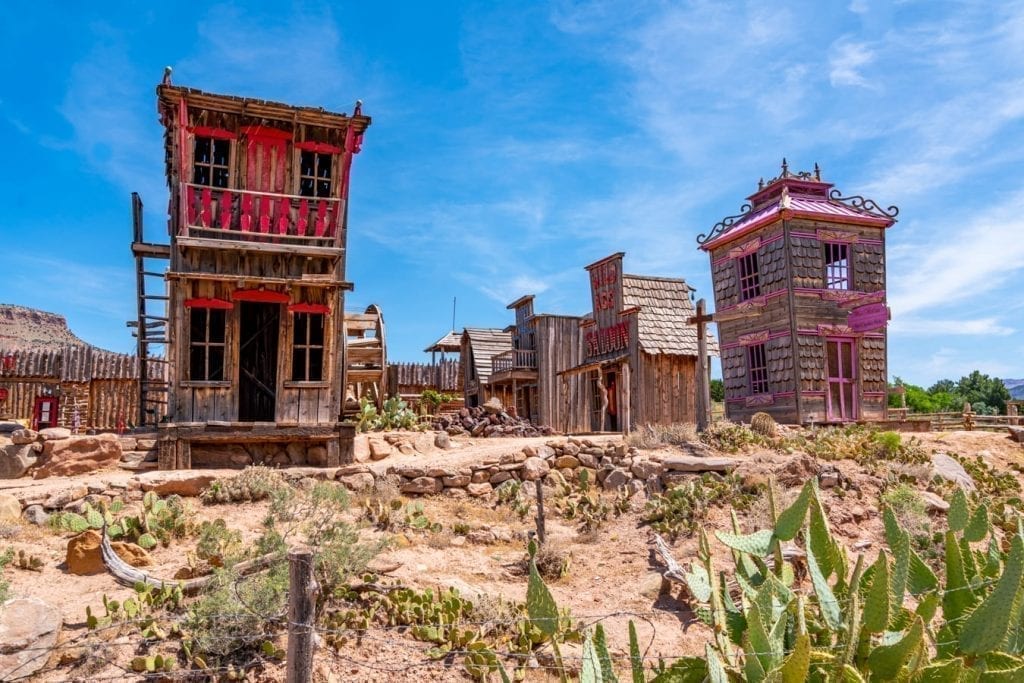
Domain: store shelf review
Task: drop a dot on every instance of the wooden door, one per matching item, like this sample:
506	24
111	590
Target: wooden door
842	380
44	413
259	328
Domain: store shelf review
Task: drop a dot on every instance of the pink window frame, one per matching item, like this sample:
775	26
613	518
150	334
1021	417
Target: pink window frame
748	275
841	381
758	372
838	277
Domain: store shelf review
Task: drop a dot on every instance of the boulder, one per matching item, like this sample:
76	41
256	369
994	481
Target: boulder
296	451
379	449
61	498
35	514
29	628
566	462
8	426
422	485
934	502
128	443
179	482
535	468
946	467
478	490
616	478
361	449
54	433
405	448
493	406
644	469
689	463
84	556
316	456
24	436
146	444
457	481
1016	433
358	482
570	448
545	452
499	477
77	455
480	476
16	459
10	508
442	440
588	460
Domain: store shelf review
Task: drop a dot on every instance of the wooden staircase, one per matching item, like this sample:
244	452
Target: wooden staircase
365	358
150	326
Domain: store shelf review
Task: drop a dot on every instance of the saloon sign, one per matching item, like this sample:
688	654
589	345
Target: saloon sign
869	318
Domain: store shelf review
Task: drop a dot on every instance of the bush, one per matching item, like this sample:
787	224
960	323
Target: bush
685	507
731	437
251	484
395	414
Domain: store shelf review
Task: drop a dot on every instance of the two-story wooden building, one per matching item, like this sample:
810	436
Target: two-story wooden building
799	280
254	322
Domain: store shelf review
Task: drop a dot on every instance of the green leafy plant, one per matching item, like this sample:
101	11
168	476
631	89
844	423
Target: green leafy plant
5	587
253	483
28	562
394	414
159	521
684	507
583	504
431	400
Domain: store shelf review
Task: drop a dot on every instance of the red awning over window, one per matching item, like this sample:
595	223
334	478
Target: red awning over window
208	303
260	295
310	308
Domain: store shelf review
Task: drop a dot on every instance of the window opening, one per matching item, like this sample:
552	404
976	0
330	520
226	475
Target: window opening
210	162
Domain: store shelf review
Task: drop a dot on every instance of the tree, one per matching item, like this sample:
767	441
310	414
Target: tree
947	386
717	390
979	388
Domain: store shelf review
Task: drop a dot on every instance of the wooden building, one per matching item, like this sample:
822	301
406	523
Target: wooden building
51	378
254	324
799	280
543	345
479	347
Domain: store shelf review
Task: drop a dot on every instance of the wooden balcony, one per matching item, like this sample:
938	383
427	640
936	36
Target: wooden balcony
515	364
260	221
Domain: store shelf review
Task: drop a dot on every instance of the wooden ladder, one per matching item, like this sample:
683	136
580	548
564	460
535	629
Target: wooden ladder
150	325
366	365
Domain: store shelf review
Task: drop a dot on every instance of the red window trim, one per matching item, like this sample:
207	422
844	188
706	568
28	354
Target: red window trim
318	147
211	132
757	362
260	296
203	302
266	132
309	308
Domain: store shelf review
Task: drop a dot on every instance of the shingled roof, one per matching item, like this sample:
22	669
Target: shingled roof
665	306
450	342
485	344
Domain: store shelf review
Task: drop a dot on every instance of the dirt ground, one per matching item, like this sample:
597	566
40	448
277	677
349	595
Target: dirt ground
613	577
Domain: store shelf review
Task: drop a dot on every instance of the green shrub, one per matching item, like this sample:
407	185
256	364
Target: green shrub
256	482
684	507
731	437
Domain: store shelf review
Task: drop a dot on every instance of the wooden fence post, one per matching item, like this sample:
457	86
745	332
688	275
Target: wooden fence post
540	513
302	591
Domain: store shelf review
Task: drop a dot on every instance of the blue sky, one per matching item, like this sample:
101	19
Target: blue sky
513	143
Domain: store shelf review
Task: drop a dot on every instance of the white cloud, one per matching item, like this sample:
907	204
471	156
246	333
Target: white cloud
924	327
846	61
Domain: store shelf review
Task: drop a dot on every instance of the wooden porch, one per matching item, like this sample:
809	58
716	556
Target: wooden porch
515	365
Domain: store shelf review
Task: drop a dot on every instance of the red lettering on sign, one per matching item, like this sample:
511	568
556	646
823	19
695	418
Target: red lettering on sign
607	339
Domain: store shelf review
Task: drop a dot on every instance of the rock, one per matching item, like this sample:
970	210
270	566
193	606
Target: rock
10	508
29	628
128	443
516	457
481	536
480	476
180	482
1016	433
571	449
545	452
24	436
58	500
535	468
379	449
442	440
405	448
499	477
478	490
689	463
653	485
621	450
529	452
360	481
422	485
457	481
84	556
296	451
616	478
8	426
947	467
493	406
587	460
55	433
316	456
35	514
15	460
797	471
934	502
644	469
455	493
146	444
77	455
437	471
654	584
566	462
828	479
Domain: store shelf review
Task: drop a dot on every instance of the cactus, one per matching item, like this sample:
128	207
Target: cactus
763	424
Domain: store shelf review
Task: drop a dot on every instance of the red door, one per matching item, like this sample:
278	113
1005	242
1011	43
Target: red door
44	413
265	162
842	380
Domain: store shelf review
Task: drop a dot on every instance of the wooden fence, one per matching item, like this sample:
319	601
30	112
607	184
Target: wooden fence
414	378
968	421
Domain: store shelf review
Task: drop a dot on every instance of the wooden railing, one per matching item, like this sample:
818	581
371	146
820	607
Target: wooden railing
514	359
259	216
960	420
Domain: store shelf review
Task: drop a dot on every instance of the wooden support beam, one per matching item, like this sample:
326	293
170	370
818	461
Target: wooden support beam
302	590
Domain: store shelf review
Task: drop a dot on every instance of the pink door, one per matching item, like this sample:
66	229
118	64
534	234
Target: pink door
842	380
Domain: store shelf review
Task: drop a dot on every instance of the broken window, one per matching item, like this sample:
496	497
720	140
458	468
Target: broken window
837	266
750	278
315	174
308	347
206	345
210	162
758	364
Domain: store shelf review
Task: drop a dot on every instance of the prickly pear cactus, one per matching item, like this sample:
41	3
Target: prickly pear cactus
763	424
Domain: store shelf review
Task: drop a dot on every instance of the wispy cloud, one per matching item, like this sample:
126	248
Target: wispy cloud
918	327
846	61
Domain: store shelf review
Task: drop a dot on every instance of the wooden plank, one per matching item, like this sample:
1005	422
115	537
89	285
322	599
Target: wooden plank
297	249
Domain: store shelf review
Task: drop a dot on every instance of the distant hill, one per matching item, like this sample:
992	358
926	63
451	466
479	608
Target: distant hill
28	328
1016	387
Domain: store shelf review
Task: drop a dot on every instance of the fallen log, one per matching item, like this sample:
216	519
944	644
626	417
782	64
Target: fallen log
127	575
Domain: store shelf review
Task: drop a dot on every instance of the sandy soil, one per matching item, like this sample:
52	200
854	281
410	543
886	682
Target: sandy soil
613	579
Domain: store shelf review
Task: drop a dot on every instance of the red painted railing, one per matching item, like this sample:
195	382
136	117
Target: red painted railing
515	359
259	216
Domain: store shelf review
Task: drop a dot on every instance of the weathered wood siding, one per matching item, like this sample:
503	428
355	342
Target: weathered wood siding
663	391
559	347
414	378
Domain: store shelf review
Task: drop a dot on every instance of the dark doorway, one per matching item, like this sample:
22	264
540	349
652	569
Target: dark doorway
257	361
612	385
